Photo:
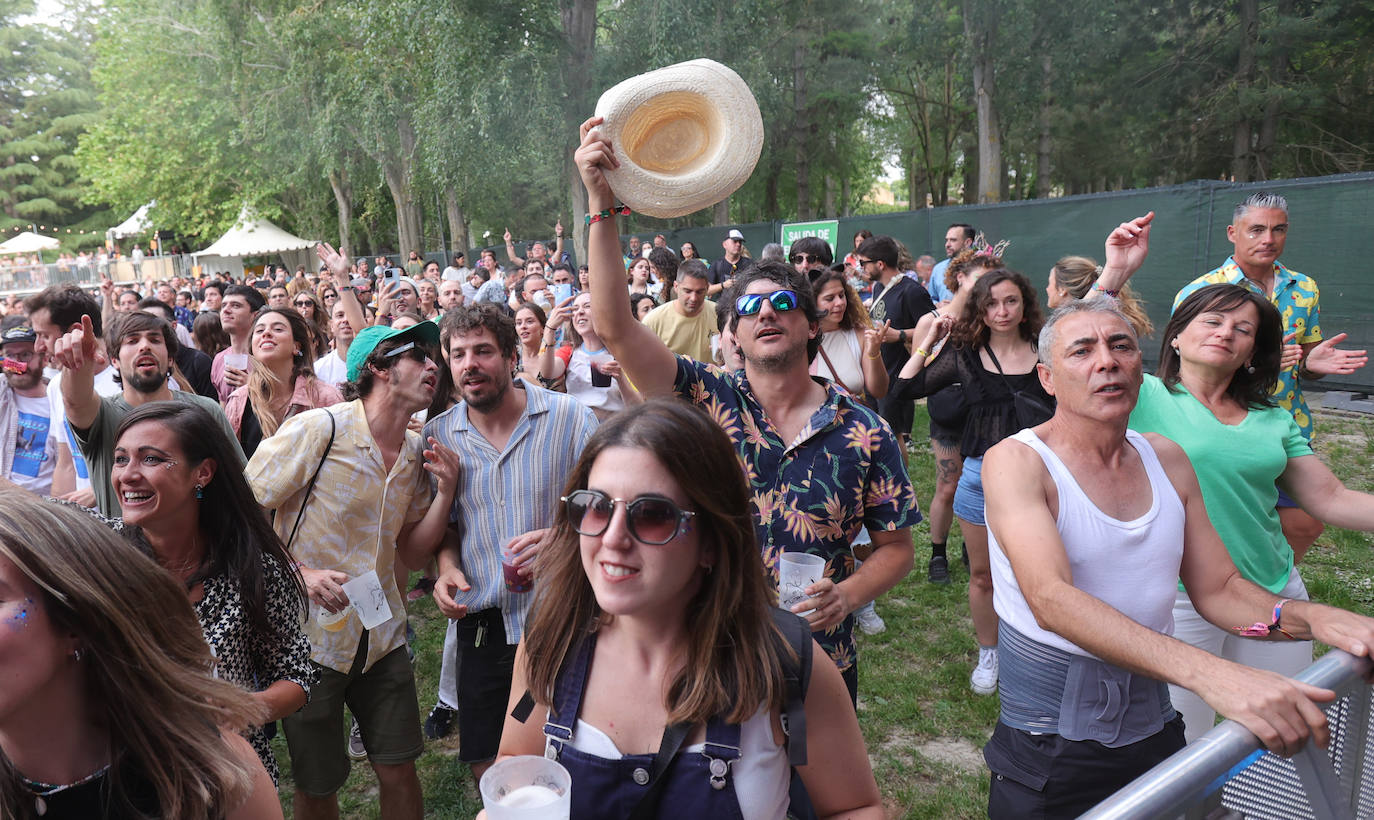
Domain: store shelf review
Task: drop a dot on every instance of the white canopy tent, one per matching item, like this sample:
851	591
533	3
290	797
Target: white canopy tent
134	225
29	242
253	236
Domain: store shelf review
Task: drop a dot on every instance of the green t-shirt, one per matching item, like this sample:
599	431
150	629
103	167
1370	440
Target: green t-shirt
97	444
1236	466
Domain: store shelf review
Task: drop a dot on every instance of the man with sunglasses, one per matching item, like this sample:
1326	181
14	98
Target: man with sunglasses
352	477
820	464
28	445
517	442
810	253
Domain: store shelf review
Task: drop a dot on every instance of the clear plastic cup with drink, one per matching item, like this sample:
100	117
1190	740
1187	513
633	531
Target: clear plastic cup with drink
796	572
527	787
515	582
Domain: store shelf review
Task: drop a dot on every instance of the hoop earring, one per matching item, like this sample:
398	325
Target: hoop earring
200	492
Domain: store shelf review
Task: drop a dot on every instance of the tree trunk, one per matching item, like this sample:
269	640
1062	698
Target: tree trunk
1278	77
845	198
457	222
829	197
801	130
720	214
343	199
398	171
579	29
980	27
1045	144
1241	156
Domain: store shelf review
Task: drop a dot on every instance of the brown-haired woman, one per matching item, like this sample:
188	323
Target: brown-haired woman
310	309
991	352
1073	276
652	583
109	707
208	334
282	380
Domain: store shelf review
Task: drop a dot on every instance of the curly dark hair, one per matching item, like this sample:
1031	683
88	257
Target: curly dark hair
466	318
970	331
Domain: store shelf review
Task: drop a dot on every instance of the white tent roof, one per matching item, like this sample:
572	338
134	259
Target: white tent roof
252	236
29	242
134	225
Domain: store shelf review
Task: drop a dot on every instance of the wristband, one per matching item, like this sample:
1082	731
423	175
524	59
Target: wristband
1097	286
901	336
1260	630
921	351
619	210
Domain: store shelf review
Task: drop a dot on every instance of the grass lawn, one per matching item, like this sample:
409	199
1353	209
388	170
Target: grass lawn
923	726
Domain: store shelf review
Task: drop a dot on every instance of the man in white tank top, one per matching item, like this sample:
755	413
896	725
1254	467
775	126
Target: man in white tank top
1089	527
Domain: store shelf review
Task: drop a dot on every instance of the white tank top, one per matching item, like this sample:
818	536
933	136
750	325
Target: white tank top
1130	565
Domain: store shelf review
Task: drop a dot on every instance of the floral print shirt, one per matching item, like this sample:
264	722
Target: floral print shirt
844	471
1295	295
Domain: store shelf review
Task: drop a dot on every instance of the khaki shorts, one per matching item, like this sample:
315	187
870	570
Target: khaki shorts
382	700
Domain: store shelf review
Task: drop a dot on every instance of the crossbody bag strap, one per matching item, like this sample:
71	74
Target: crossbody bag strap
835	374
329	445
673	736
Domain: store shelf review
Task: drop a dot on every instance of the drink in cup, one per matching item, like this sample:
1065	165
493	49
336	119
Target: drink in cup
527	787
515	582
238	361
796	572
331	621
599	377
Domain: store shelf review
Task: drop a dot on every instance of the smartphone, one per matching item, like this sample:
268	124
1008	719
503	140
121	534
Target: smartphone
393	275
561	292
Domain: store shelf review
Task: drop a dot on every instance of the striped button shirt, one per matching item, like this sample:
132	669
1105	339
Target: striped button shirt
505	493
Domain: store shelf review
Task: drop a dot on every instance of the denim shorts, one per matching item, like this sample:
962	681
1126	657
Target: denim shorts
968	496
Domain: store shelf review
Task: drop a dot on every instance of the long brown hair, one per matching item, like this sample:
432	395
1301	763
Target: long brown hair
970	331
147	668
855	317
1076	275
1246	388
261	380
734	652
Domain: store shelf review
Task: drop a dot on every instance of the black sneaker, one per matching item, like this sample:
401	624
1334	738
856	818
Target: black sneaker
939	570
440	721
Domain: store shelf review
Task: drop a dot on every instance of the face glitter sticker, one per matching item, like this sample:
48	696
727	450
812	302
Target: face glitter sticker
20	619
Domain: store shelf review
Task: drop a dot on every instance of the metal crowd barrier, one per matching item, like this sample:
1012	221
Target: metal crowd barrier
1226	768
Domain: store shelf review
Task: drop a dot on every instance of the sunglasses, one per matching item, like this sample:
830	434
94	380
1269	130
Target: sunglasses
304	303
808	258
651	519
410	351
751	303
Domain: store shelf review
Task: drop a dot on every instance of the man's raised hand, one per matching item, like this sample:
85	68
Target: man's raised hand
76	349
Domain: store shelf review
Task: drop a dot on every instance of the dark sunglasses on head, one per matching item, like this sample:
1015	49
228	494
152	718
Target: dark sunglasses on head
751	303
651	519
411	351
808	258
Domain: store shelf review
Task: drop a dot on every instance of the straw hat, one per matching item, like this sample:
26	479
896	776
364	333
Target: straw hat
687	136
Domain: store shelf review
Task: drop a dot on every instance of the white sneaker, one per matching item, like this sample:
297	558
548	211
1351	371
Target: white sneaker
868	620
984	677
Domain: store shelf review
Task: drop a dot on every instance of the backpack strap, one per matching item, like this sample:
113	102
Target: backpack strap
797	633
329	445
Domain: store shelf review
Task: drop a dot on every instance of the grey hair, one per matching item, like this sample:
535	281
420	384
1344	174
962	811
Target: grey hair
771	251
1263	200
1049	332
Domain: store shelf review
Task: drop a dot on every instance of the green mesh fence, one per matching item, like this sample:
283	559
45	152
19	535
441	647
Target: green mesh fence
1327	215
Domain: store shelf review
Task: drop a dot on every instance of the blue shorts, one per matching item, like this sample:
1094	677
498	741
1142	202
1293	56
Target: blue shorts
1285	500
968	496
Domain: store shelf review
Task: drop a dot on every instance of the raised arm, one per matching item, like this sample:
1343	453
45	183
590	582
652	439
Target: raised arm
510	249
1126	248
646	360
343	285
1278	710
75	352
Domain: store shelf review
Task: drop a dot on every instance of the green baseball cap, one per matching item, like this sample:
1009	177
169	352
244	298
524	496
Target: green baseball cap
427	332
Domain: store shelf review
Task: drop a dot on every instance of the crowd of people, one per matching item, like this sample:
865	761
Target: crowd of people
599	472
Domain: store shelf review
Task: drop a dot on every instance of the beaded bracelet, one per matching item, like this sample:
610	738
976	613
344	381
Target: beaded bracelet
1097	286
619	210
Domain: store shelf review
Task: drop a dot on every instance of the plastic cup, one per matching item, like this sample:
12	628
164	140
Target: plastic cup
796	572
238	361
515	582
527	787
599	377
331	621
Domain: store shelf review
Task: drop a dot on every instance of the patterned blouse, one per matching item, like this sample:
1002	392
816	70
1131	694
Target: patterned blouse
844	471
251	659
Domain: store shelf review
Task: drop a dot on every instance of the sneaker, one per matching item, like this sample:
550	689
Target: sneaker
910	447
868	620
939	570
440	721
355	743
984	677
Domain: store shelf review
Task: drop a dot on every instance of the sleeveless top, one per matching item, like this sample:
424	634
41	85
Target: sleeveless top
1131	566
93	799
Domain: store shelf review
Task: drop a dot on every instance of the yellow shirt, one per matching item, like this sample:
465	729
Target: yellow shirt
356	511
688	336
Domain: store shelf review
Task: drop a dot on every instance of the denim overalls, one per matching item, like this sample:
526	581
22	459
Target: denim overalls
698	783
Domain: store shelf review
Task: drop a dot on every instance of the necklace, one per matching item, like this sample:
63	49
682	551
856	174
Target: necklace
41	790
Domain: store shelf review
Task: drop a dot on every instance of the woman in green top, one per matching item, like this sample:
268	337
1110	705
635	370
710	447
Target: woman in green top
1218	365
